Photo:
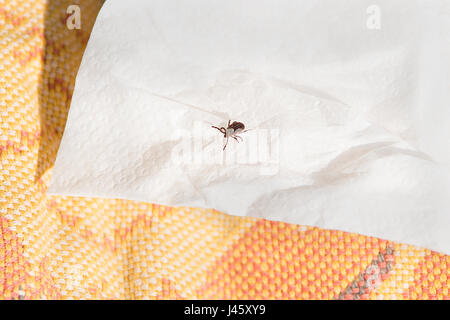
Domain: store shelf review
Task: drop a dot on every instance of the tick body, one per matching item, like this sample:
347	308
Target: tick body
231	131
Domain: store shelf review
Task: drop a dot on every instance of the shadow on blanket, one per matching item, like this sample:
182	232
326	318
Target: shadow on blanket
63	50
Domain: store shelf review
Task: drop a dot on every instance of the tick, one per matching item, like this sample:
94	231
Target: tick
232	130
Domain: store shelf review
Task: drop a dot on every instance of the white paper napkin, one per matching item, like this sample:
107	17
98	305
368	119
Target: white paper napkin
347	102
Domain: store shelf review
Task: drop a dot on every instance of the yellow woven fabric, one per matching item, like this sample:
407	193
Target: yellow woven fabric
66	247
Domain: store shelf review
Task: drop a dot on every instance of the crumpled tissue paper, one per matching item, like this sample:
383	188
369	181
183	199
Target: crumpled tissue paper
346	103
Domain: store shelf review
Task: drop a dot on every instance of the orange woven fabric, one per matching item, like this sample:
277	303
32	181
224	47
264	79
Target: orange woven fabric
65	247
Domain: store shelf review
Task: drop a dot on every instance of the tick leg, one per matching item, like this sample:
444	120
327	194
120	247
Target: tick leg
238	137
222	129
235	138
225	144
229	123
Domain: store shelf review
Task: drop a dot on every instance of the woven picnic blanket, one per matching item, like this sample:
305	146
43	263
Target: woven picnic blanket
55	247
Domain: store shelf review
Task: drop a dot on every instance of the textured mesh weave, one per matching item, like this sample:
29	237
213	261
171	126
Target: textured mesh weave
56	247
